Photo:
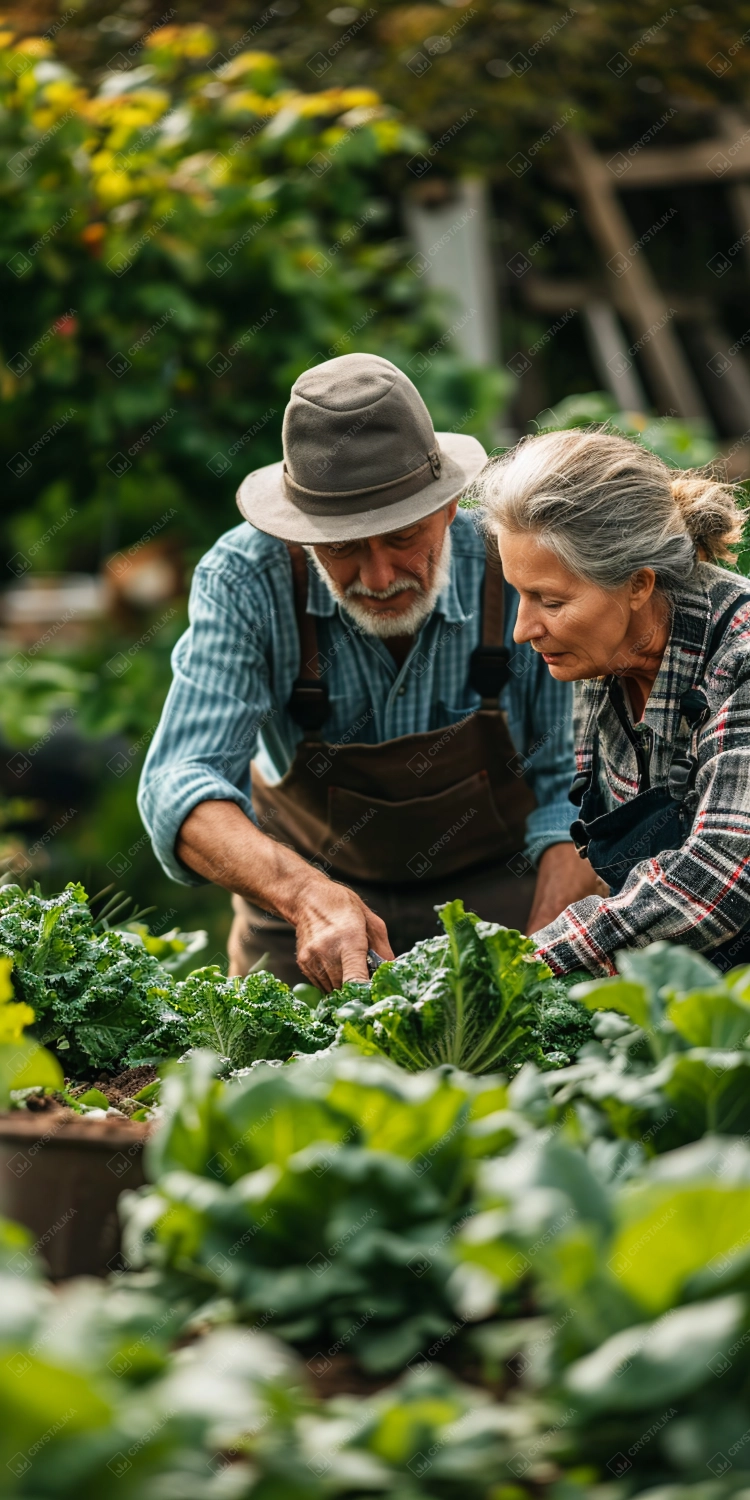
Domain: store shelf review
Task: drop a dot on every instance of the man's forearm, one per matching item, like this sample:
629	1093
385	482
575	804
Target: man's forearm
563	877
220	843
334	927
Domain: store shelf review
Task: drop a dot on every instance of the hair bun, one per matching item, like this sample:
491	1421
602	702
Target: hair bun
709	512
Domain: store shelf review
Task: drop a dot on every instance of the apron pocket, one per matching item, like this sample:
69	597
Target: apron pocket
399	842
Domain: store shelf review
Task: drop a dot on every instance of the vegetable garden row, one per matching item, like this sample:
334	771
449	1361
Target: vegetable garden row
485	1234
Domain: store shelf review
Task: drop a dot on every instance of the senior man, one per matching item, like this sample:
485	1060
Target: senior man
351	737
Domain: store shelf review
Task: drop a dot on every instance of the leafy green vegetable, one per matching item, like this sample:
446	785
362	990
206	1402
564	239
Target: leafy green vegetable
476	998
250	1020
173	949
99	999
640	1284
671	1060
322	1197
95	1405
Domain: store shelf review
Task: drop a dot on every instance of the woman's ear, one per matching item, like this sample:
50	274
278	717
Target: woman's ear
642	586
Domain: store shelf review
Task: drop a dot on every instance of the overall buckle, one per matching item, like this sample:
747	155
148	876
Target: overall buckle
578	787
308	704
580	837
489	670
681	777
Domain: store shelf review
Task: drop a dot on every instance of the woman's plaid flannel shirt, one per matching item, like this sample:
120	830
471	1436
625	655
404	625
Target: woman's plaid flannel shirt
699	894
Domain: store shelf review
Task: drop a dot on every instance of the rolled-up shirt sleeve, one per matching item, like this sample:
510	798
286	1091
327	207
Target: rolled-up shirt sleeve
699	893
219	701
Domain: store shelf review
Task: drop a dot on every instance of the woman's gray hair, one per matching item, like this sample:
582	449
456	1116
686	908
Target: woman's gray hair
607	506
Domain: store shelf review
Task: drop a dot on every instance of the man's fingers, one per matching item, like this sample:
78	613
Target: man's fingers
334	950
377	935
314	967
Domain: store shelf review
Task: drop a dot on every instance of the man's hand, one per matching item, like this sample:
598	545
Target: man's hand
563	877
334	931
334	927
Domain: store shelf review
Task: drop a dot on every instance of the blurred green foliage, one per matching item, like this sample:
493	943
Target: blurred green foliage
177	246
683	445
178	241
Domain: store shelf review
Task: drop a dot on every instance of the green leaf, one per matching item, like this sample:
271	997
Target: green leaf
710	1018
250	1020
667	965
670	1233
309	994
95	1098
24	1065
476	998
651	1363
43	1400
625	996
710	1091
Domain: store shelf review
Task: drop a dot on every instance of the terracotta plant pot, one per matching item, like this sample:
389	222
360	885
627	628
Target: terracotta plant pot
61	1176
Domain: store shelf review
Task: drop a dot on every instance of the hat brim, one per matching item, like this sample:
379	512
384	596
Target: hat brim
262	499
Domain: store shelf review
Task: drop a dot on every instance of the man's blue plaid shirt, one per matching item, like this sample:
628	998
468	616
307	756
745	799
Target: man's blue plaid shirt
235	666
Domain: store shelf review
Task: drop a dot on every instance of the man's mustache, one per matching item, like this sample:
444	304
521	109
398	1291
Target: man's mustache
399	586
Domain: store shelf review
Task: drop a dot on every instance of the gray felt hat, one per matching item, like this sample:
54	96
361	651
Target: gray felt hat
361	457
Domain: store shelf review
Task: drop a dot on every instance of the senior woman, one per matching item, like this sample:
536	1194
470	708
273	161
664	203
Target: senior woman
614	557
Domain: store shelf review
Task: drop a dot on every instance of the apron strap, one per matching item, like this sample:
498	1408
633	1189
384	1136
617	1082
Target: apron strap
488	666
308	704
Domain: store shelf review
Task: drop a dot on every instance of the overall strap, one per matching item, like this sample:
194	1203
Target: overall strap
617	699
308	704
488	666
694	703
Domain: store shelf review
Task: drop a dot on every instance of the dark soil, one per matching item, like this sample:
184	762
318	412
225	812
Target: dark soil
42	1104
343	1375
125	1085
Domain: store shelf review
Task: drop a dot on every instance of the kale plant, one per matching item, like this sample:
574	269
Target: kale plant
250	1020
563	1025
100	999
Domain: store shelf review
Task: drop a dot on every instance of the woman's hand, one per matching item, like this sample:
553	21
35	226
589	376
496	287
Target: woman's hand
563	877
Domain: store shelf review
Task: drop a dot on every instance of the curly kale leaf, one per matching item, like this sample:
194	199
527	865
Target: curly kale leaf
563	1025
100	999
249	1020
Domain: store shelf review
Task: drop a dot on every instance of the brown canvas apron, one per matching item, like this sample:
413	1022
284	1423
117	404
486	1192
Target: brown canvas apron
403	816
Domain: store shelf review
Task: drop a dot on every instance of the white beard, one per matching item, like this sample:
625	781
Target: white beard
408	621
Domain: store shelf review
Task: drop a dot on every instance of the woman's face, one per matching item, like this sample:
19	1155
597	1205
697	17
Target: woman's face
580	629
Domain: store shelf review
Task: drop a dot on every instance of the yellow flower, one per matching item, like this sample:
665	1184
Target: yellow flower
388	134
14	1015
62	95
6	987
327	103
195	40
247	101
350	98
247	62
34	46
114	187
